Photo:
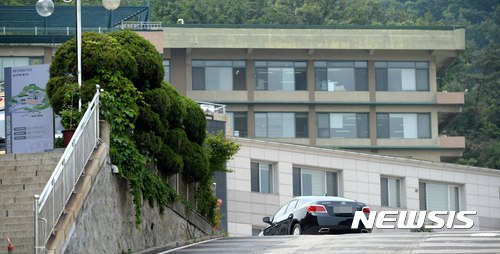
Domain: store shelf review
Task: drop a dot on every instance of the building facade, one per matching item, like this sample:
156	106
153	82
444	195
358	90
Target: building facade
368	89
268	174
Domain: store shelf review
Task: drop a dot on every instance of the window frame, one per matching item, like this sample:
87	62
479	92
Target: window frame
296	115
356	66
382	75
384	125
398	182
299	180
260	65
423	188
259	178
232	116
356	121
166	65
200	66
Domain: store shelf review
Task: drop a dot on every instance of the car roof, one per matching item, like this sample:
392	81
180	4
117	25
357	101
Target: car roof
324	198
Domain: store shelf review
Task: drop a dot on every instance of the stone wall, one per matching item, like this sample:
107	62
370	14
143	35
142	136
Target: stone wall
106	221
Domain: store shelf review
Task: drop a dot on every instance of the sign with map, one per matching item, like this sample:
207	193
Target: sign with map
29	121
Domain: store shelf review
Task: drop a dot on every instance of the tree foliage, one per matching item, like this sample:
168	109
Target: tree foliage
151	123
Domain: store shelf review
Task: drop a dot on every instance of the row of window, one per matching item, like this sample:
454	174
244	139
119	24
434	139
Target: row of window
333	125
292	75
434	196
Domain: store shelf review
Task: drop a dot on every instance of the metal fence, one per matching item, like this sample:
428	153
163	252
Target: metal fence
50	204
55	31
140	25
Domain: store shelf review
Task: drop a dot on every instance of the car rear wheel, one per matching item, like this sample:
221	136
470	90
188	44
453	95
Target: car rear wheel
297	230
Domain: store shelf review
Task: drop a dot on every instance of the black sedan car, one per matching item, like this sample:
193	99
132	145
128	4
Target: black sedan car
316	215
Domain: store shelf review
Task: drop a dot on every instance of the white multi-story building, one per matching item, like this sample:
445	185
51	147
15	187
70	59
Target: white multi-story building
267	174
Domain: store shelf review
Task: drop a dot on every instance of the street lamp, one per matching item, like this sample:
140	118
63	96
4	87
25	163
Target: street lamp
46	7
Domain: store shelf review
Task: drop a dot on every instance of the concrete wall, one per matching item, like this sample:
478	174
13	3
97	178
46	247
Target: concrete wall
358	178
105	223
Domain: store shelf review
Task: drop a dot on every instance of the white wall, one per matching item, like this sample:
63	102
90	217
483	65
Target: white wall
359	179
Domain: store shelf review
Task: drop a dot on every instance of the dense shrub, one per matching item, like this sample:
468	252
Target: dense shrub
150	121
150	65
196	124
100	53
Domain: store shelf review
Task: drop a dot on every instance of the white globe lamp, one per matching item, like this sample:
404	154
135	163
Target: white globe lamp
111	5
44	7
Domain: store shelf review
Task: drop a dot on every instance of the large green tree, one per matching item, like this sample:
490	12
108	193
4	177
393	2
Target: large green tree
151	123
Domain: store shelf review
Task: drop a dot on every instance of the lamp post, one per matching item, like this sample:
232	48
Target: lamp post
46	7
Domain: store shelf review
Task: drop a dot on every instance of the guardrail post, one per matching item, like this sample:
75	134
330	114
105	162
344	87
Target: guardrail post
36	198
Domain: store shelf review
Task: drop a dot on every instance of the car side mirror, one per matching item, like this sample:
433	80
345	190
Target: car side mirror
266	220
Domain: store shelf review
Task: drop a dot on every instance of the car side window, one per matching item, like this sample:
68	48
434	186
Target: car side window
291	206
279	213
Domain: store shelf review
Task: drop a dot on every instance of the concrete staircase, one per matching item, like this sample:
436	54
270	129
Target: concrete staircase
21	177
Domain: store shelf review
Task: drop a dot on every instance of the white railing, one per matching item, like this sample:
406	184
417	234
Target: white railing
212	108
50	204
140	25
55	31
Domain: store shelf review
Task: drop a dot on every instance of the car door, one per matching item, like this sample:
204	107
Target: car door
273	229
286	222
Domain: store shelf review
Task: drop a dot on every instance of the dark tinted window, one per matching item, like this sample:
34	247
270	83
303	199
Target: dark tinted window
361	78
240	123
198	78
381	79
300	79
239	79
301	125
255	177
382	125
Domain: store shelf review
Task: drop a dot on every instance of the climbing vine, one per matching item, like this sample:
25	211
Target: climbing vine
154	130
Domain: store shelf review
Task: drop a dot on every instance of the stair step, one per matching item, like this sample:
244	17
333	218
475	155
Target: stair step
21	180
16	174
14	212
16	219
27	224
18	233
31	156
21	193
31	167
16	206
22	187
29	162
16	199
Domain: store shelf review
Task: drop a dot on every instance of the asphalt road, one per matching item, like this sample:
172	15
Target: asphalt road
440	242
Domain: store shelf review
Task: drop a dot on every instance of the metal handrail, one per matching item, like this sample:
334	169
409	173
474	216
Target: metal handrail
50	204
211	108
55	31
140	25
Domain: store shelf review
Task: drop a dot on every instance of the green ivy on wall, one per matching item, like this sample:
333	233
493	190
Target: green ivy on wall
150	122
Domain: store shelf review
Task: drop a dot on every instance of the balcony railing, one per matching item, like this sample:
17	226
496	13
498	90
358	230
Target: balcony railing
40	30
450	98
140	25
212	108
452	142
